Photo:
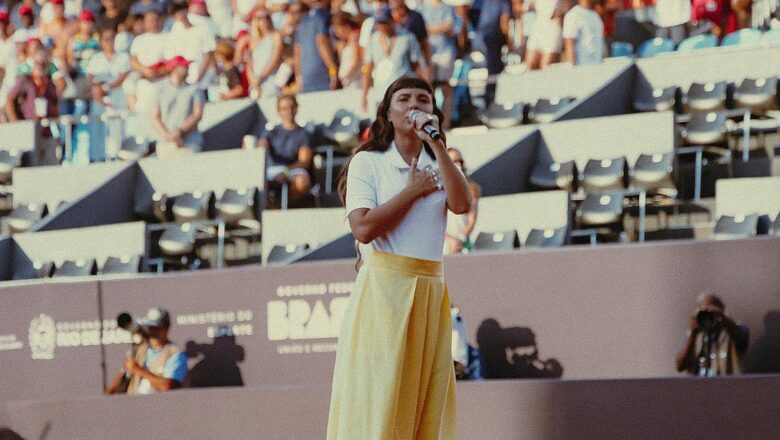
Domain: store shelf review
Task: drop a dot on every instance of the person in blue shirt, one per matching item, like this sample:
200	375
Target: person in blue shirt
415	24
492	35
158	364
316	66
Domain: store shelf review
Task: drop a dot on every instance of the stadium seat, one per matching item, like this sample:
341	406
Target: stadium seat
77	268
734	227
236	205
701	41
546	238
121	265
496	241
705	97
344	129
133	149
604	174
192	206
8	161
284	254
545	109
601	209
621	49
771	37
555	176
652	172
743	37
177	240
503	115
776	226
706	129
757	94
160	208
43	269
661	100
651	48
23	217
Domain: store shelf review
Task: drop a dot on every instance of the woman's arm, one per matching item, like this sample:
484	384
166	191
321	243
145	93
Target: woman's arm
276	58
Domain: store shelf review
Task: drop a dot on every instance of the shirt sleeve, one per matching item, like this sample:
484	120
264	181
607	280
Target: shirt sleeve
569	26
176	368
361	187
123	63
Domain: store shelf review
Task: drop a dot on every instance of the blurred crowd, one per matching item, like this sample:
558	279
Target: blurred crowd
86	56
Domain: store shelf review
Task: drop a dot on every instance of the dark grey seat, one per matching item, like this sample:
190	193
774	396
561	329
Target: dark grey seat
775	229
43	269
734	227
160	208
555	176
546	238
236	205
177	240
121	265
503	115
757	94
192	206
545	110
660	100
23	217
132	150
284	254
8	161
497	241
604	174
705	97
601	209
344	129
76	268
652	172
706	129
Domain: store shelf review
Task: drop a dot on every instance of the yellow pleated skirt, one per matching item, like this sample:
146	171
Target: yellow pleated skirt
394	376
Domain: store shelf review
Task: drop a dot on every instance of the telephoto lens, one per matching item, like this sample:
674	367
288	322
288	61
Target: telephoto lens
709	320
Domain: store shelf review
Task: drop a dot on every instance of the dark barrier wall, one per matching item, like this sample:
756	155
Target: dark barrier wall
6	265
108	204
225	123
647	409
510	172
603	312
612	99
49	341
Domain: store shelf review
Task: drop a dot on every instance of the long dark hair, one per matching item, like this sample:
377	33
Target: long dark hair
381	132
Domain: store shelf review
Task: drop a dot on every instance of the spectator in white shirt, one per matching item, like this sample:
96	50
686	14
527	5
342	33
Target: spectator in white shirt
671	19
106	71
544	42
583	34
147	59
195	44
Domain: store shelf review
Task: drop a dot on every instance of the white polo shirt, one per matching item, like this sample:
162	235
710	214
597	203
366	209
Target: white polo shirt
374	178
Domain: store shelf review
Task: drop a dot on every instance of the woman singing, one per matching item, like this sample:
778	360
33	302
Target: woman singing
394	376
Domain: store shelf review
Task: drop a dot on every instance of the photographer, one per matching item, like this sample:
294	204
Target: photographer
158	364
715	342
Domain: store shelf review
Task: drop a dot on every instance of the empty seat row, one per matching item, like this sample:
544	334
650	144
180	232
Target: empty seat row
651	172
87	267
743	226
507	240
756	94
235	206
25	216
504	115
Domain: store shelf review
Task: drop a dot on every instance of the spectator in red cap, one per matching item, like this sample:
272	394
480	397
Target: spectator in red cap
83	45
147	59
25	10
199	16
222	16
178	109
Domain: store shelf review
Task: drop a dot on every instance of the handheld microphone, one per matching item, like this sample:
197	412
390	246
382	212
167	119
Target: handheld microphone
427	127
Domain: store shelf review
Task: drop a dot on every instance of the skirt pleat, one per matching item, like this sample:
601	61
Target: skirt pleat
394	376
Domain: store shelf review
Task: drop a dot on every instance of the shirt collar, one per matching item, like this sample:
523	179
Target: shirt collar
396	160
